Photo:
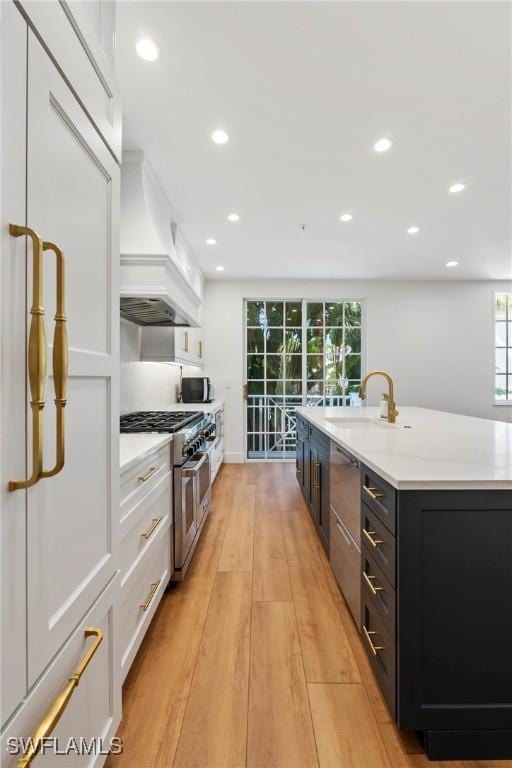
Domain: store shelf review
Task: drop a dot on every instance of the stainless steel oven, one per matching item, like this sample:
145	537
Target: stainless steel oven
193	435
192	497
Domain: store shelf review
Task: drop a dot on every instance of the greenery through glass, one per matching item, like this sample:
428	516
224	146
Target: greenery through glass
283	374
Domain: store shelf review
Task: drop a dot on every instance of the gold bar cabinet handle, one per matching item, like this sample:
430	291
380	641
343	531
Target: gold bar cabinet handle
317	475
147	602
36	356
373	493
60	360
374	648
53	715
151	471
369	580
152	527
185	345
200	349
374	542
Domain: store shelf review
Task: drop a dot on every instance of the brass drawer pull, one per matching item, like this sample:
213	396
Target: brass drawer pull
154	586
316	475
373	493
369	580
36	356
53	715
151	471
152	528
374	648
60	360
374	542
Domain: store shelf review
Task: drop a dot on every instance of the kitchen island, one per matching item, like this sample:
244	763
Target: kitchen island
434	497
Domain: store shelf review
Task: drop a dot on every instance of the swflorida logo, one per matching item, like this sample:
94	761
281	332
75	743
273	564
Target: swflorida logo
71	746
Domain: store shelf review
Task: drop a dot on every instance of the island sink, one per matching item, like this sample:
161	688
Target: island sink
360	423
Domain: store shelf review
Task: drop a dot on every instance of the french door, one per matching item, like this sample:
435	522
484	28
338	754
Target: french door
297	352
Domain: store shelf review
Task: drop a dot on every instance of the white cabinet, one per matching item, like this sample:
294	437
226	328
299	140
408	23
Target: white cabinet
93	712
60	533
189	346
69	33
146	547
181	345
12	371
72	189
218	446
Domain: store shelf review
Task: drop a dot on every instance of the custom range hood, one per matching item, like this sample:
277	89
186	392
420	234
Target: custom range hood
161	284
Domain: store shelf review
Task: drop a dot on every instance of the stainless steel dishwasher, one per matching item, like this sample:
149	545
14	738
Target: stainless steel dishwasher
345	545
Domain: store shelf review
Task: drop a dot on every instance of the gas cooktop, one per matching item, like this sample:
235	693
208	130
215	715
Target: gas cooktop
158	421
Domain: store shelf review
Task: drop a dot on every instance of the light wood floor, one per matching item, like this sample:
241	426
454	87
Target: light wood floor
254	660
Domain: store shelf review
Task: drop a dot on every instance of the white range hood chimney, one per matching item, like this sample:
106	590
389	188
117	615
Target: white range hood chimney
161	284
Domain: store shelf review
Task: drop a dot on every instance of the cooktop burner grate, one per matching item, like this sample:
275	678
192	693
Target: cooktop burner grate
158	421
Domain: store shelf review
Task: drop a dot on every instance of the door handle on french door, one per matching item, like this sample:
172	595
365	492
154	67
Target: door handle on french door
60	360
36	356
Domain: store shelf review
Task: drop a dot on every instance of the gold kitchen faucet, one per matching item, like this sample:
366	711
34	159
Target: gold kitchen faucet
392	411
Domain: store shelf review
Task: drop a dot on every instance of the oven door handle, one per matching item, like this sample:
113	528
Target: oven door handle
193	471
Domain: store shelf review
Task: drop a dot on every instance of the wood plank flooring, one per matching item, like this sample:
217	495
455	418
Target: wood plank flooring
254	660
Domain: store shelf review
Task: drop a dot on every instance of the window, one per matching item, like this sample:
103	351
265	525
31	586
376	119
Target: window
298	352
503	347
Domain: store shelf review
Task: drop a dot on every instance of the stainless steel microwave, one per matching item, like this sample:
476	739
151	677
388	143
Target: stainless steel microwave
196	389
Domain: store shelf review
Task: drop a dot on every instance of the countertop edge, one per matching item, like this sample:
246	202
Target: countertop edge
143	453
409	485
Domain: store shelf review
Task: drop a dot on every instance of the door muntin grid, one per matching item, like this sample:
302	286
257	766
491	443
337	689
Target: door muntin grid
298	352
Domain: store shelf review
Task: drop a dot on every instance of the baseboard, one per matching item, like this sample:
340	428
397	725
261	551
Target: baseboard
234	458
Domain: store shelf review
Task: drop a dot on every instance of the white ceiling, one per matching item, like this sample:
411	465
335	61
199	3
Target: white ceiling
304	90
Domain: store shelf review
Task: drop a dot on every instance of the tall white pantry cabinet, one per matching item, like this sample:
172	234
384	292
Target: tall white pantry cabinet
59	454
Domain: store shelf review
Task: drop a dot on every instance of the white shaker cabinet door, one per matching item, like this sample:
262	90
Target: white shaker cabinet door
72	517
13	42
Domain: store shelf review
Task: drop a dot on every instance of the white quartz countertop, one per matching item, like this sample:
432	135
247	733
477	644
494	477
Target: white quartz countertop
424	449
135	447
199	407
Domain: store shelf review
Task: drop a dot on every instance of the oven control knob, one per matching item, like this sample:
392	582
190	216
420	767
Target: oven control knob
189	450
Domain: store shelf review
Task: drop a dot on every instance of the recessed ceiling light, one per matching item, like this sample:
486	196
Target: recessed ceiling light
233	217
147	49
210	241
382	145
219	268
458	187
220	136
452	264
346	217
413	230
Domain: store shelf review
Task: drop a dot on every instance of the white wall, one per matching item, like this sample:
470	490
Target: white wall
434	338
146	386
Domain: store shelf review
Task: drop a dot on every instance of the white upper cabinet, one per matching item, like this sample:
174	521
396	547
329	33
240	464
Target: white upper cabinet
184	346
189	346
72	190
88	66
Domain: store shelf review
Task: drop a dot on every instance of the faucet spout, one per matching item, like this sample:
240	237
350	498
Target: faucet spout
392	411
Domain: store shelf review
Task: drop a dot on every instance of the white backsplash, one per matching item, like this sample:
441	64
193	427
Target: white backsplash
146	386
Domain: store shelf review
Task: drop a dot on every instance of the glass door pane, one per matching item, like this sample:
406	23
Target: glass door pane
297	353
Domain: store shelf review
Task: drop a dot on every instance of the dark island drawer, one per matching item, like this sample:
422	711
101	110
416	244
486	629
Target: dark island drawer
379	496
381	651
378	590
379	541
